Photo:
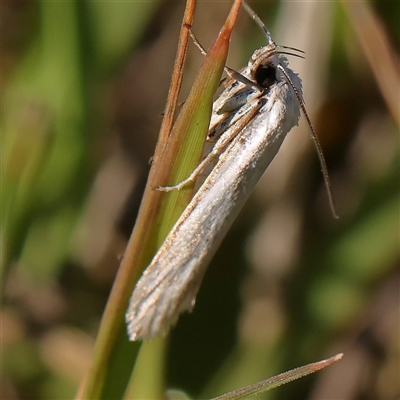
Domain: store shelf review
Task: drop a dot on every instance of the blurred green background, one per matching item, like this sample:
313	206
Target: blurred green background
83	87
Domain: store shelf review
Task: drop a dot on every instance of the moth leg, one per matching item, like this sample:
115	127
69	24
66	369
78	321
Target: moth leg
237	76
197	43
230	72
246	114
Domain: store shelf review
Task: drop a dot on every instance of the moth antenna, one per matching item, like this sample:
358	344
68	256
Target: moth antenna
290	54
316	143
291	48
258	21
261	24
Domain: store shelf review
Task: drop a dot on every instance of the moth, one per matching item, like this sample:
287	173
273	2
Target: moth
250	120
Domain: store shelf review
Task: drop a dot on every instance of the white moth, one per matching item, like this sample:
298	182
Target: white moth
250	119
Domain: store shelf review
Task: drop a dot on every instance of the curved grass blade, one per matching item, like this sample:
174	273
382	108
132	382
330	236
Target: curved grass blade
278	380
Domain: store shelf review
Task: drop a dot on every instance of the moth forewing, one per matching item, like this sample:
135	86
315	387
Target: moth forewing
170	283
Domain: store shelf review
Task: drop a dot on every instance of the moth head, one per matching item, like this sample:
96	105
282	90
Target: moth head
262	66
265	74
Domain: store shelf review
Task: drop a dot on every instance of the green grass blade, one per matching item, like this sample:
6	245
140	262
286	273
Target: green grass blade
174	160
278	380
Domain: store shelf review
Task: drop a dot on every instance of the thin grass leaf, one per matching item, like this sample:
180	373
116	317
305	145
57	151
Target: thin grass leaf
278	380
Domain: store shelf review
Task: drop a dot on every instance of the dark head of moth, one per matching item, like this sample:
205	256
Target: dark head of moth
266	60
265	75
